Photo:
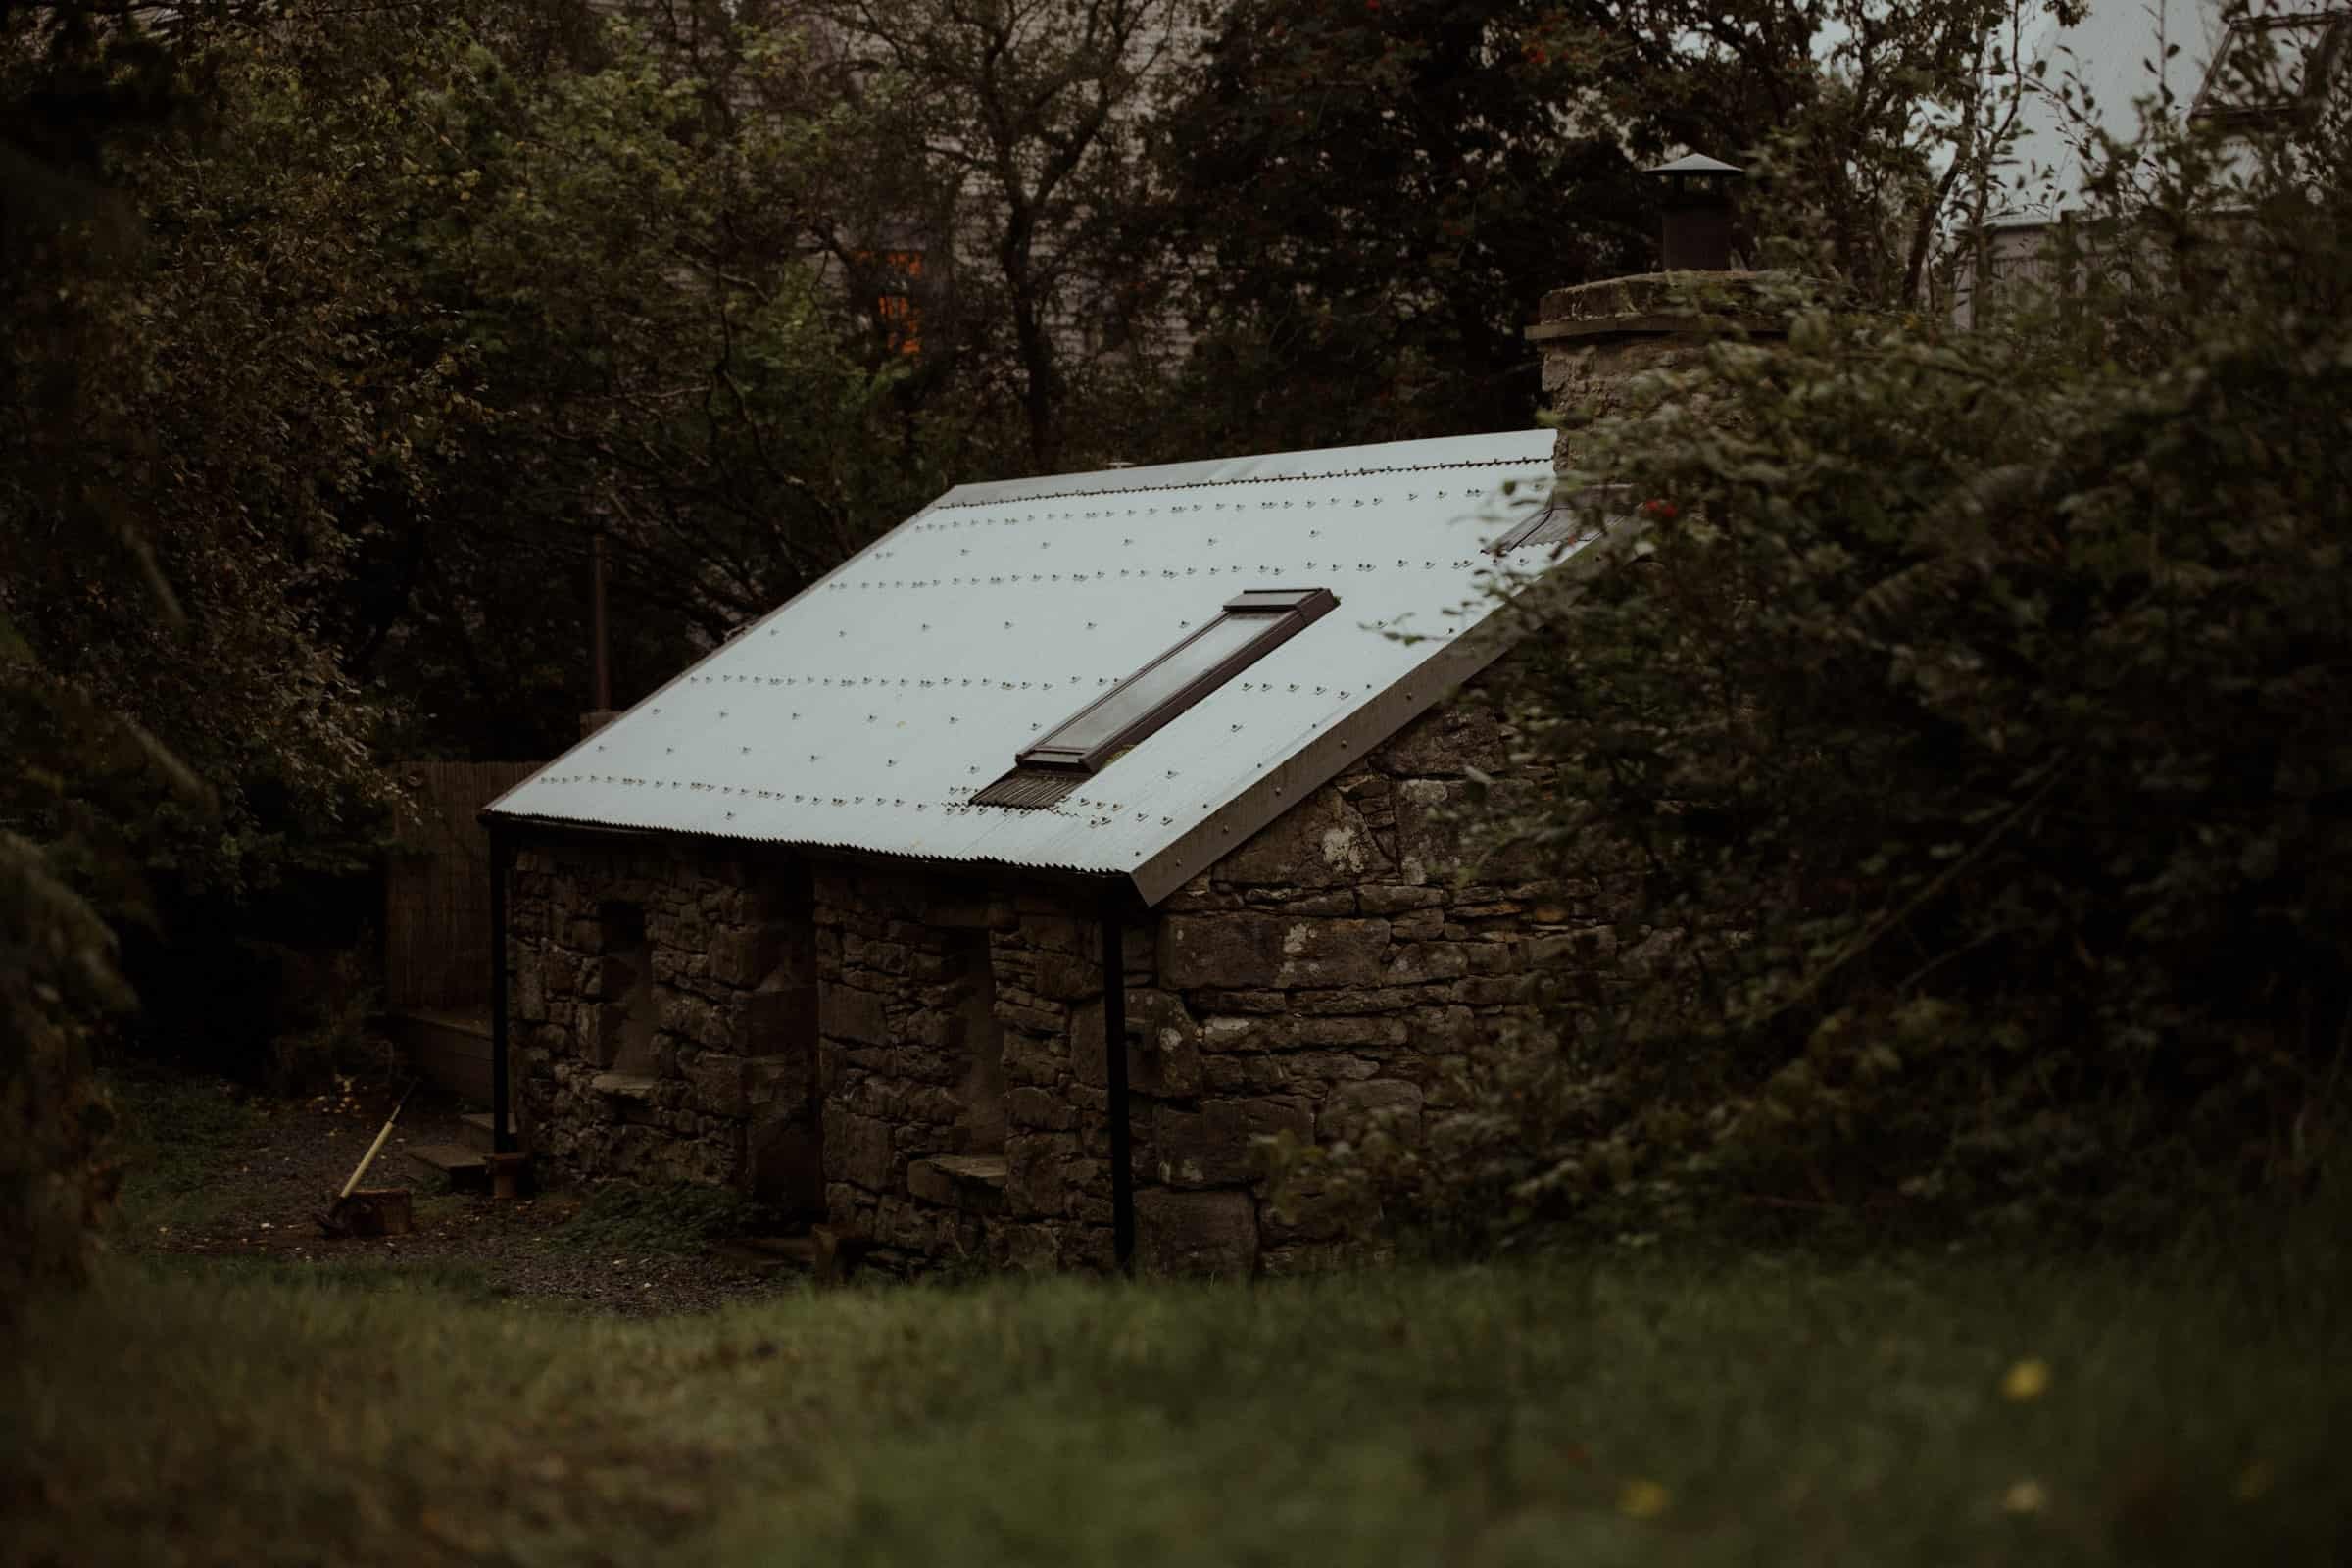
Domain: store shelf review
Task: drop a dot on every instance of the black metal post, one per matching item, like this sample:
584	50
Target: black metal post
1114	1078
501	864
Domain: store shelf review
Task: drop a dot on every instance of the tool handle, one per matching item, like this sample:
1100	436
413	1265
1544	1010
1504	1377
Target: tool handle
368	1159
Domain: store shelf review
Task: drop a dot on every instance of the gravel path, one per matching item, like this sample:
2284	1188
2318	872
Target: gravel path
261	1196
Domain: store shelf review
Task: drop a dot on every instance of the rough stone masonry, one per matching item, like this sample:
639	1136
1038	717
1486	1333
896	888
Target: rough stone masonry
915	1056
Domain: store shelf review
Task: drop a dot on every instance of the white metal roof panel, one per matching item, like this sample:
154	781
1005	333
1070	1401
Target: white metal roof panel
863	713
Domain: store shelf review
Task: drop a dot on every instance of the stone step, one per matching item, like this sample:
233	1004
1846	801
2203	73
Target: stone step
624	1084
480	1131
462	1166
973	1183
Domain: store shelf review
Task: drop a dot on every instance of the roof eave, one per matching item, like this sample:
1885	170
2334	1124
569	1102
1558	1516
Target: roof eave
1362	731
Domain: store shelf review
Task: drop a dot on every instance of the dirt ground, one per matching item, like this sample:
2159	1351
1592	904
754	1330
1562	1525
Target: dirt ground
260	1191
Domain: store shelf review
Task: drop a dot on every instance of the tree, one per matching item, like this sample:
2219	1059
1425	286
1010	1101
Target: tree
1965	743
1027	120
1373	195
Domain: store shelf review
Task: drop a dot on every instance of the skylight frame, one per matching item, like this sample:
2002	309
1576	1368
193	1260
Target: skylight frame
1048	770
1569	519
1286	611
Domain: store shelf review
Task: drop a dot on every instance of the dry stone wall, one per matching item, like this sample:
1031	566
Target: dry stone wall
1335	969
933	1043
662	1014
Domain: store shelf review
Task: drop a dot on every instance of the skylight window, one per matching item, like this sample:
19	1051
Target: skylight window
1572	517
1253	625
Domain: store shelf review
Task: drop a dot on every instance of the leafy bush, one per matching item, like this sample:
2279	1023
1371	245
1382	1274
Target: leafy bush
1967	748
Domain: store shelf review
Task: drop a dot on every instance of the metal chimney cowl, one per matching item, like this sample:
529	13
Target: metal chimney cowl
1695	225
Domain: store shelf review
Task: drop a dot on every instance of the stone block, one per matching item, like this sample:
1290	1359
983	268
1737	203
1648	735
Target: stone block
1037	1173
1057	932
1295	1073
1441	1028
1415	963
1427	846
1040	1110
1066	977
1290	901
1195	1233
1321	842
1356	1032
603	1030
743	955
1257	950
1395	897
848	1013
530	990
1307	1209
1352	1110
715	1084
1205	1001
858	1149
1230	1033
1217	1145
1163	1045
1033	1060
1585	950
1032	1248
1446	742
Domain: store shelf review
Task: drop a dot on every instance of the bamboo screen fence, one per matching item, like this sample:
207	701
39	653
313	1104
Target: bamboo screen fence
437	886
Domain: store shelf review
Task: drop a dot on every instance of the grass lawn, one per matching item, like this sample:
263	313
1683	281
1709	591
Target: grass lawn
1638	1410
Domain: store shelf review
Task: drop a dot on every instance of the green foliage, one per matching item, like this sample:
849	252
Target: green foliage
1962	753
1004	143
1369	200
628	1218
1773	1409
174	1135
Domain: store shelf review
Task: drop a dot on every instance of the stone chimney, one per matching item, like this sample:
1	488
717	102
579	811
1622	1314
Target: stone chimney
1595	338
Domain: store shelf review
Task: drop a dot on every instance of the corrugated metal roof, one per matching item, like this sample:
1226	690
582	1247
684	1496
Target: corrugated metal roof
865	712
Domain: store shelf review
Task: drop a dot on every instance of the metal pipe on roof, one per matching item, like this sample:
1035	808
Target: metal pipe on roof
1114	1078
1695	225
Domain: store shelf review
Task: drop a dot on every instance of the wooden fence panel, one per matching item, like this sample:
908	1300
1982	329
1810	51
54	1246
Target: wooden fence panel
437	886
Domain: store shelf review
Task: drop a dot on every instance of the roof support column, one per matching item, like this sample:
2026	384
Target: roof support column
502	865
1114	1078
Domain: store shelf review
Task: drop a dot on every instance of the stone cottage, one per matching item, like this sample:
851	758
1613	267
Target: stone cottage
993	897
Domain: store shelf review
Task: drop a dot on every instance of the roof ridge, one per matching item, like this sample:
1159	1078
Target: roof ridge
1252	478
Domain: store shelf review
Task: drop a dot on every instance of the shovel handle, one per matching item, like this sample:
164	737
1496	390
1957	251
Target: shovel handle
368	1159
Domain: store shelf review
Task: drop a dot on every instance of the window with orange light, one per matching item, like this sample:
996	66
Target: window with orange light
894	305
